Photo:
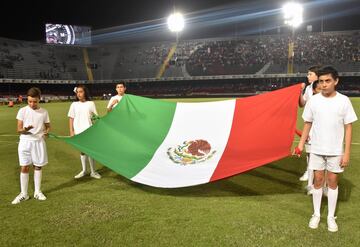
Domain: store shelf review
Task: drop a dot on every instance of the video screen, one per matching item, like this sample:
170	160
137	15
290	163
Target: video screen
67	34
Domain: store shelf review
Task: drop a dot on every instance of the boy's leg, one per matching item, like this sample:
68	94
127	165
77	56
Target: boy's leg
83	165
93	173
24	184
91	164
333	168
40	159
37	179
24	179
83	162
333	191
317	193
24	149
317	164
37	184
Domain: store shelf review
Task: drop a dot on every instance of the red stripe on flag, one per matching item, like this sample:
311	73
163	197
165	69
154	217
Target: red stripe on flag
262	131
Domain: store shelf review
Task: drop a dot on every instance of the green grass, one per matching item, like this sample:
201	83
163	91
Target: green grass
264	207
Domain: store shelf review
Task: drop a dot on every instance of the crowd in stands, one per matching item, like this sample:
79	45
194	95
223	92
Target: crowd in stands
243	55
248	56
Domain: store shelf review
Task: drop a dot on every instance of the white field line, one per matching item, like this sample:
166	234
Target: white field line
8	141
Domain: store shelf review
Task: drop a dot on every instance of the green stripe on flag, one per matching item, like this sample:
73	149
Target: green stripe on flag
126	139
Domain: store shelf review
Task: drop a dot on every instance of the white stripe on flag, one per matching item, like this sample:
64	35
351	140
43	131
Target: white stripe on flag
210	121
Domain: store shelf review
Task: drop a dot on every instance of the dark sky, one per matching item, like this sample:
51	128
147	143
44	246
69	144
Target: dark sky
26	20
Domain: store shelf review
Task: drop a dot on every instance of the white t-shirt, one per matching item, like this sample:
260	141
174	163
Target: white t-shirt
116	97
308	92
36	118
328	117
82	112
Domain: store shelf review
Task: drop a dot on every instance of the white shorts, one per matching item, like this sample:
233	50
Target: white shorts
32	152
323	162
308	148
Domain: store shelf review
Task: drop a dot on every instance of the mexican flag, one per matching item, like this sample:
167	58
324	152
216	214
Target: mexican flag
169	145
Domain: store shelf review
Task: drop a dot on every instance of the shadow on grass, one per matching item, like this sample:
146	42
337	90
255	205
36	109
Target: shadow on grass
74	182
291	170
252	183
345	188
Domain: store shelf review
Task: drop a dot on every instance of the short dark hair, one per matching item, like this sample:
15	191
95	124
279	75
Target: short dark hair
314	68
328	70
120	82
86	90
314	85
34	92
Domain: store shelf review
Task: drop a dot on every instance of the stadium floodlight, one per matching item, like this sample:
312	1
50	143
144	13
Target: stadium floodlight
293	14
176	22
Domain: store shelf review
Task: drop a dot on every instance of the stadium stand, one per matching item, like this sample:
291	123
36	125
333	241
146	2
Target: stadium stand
210	57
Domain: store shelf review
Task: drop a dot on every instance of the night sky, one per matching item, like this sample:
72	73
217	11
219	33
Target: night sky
26	20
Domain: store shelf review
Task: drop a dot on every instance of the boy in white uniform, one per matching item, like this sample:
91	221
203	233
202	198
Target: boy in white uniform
331	115
120	89
33	124
311	77
80	114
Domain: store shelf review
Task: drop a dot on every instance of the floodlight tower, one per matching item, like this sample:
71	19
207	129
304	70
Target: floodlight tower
176	23
293	16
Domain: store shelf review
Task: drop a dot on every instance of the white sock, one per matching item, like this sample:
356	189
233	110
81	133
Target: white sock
332	200
91	162
24	183
83	162
317	195
37	180
310	177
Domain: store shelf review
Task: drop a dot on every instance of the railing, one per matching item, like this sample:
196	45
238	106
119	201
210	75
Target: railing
191	78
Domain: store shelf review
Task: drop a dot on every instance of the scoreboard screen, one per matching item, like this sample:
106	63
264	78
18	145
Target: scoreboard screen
67	34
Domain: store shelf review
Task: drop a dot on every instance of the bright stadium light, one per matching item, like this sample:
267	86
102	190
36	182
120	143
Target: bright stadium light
176	22
293	14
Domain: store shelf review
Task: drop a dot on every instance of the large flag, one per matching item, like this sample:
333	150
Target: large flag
169	145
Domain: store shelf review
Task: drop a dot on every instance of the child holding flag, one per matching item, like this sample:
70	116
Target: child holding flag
310	173
80	114
309	92
330	115
120	89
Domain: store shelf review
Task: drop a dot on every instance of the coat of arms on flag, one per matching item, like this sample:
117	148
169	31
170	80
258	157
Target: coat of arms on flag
191	152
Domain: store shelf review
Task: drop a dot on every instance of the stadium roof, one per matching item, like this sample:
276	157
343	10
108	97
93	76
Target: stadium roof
206	18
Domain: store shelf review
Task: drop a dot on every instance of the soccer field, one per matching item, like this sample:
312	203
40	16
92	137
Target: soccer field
263	207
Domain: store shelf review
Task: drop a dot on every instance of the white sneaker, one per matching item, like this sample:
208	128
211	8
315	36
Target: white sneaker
95	175
40	196
20	198
314	221
325	191
332	226
80	175
305	176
